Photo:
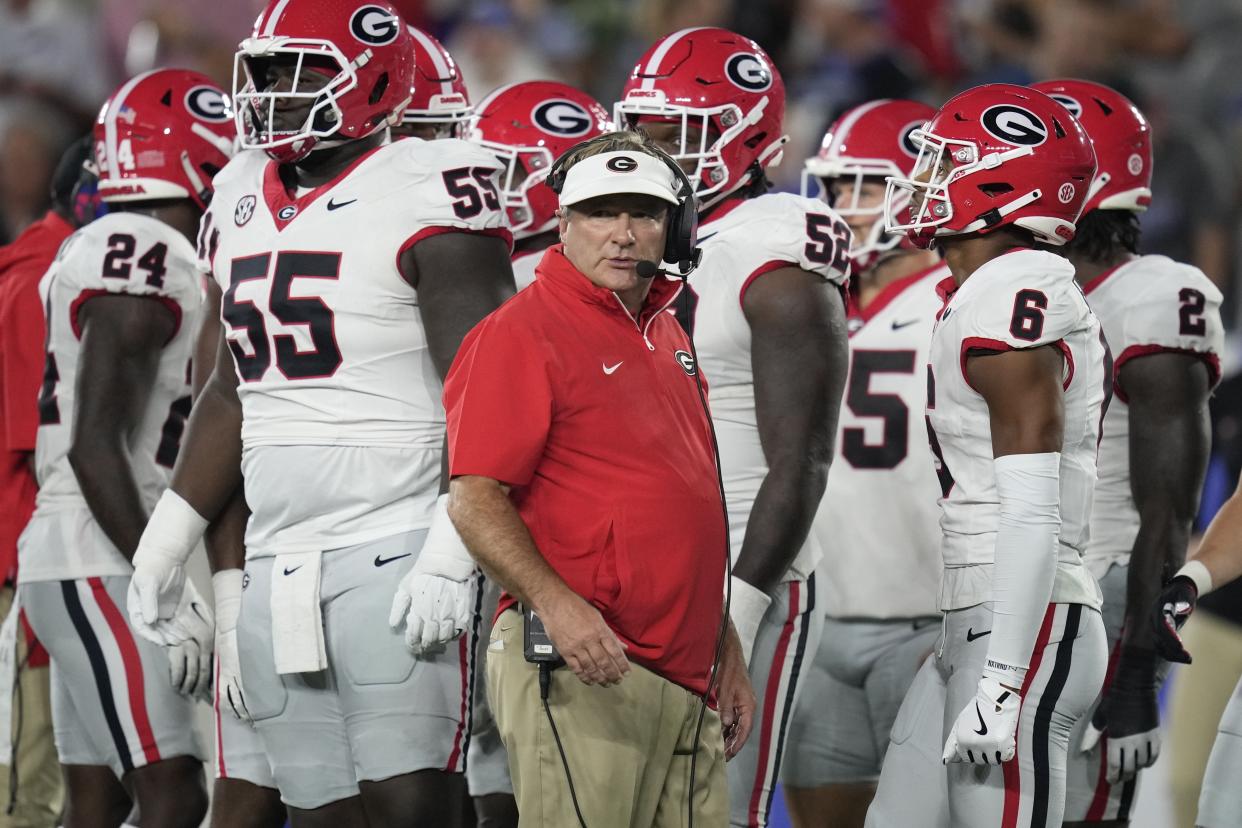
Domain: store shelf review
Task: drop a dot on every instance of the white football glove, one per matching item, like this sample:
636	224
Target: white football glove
155	589
985	731
228	588
436	597
747	606
190	634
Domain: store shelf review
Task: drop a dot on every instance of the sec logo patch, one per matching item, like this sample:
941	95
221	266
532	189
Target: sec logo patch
244	210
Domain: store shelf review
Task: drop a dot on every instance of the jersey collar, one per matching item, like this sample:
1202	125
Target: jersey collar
894	289
285	207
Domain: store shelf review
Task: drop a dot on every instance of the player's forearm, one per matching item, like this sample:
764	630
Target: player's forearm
780	521
226	536
1221	548
208	469
102	468
499	541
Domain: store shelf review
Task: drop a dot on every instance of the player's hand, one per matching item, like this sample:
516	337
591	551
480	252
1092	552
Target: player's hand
590	648
190	634
1128	716
155	591
1176	603
736	697
985	731
228	588
436	597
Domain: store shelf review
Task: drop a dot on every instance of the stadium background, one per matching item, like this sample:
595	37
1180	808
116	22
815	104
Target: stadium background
59	59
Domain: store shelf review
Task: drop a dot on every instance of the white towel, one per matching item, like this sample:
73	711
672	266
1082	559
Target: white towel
297	621
8	673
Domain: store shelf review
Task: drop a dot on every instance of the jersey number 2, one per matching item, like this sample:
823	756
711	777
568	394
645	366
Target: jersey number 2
829	241
1190	315
324	358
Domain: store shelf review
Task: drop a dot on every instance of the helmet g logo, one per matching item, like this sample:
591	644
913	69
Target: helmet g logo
374	25
1074	107
906	143
208	104
747	71
1014	125
561	117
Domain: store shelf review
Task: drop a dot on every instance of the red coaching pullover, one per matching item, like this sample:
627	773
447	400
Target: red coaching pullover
592	416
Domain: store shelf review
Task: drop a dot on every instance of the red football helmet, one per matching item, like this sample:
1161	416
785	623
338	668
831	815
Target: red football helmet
355	56
163	134
995	155
730	86
438	94
1122	140
528	126
868	141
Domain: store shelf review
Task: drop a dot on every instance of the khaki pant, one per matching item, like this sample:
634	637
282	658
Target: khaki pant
39	790
1200	693
628	747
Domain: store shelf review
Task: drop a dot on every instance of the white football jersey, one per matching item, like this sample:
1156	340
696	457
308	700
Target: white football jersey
1023	299
747	239
121	253
1151	304
524	267
880	513
342	421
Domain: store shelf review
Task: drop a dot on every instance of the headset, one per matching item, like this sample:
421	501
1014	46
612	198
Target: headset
680	246
681	249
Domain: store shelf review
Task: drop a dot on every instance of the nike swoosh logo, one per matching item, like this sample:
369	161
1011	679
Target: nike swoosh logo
381	561
334	205
289	571
897	326
609	370
983	727
971	635
702	239
198	612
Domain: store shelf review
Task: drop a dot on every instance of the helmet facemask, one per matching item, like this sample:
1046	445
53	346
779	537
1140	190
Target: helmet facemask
869	245
526	167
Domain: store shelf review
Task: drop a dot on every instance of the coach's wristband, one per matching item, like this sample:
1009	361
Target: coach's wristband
1197	572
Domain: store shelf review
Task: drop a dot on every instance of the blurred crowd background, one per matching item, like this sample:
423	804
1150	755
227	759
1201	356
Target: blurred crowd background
1177	59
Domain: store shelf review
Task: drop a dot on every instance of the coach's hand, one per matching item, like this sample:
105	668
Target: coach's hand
1128	715
589	646
436	597
1175	604
735	695
985	731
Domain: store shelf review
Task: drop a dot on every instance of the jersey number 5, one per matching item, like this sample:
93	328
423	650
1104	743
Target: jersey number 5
242	315
887	407
473	188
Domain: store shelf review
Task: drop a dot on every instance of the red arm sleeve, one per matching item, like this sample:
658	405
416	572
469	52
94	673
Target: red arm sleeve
498	401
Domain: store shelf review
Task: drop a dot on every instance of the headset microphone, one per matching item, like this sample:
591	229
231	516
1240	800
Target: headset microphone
647	269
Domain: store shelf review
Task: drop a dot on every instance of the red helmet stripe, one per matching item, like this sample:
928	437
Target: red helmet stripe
653	66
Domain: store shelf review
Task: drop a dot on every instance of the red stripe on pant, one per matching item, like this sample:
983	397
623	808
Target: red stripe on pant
464	660
1099	802
221	770
762	767
1011	769
133	668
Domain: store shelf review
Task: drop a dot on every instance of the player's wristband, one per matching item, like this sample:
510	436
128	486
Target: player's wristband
444	553
227	585
1028	489
172	531
747	606
1199	574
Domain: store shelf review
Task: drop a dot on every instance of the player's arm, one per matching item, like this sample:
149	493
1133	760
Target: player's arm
1022	389
500	541
799	350
122	337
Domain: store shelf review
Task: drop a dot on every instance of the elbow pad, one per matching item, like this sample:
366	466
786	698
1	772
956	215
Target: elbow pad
1028	487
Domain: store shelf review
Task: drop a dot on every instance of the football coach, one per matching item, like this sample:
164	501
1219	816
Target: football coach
584	482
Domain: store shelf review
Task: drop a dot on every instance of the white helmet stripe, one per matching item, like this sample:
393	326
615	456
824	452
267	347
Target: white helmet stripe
272	19
437	60
852	118
114	107
491	96
663	49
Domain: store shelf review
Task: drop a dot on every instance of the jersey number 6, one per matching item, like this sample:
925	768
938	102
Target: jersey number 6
1027	323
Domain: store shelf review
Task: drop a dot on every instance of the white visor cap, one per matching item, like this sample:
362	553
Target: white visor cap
610	173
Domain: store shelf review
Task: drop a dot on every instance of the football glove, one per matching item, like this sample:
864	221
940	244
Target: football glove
1128	716
190	636
155	589
435	599
985	731
1172	608
228	588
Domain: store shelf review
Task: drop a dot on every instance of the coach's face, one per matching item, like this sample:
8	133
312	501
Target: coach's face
606	237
